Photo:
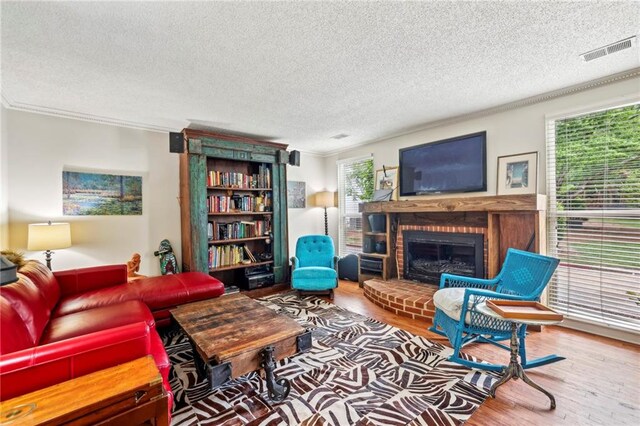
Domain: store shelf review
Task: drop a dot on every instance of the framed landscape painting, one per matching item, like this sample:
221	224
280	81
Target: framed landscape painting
93	194
518	174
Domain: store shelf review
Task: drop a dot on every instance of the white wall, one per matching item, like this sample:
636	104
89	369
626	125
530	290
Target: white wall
40	147
4	181
511	132
310	220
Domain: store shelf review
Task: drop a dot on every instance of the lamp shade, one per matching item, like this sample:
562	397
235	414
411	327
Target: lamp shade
325	199
49	236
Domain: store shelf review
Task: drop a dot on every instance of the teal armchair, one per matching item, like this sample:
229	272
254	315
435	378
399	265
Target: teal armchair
315	265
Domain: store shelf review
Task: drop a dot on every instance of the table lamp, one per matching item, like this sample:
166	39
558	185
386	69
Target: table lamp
325	199
49	236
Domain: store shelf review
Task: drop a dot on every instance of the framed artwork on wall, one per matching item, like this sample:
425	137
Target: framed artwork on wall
518	174
296	194
100	194
387	178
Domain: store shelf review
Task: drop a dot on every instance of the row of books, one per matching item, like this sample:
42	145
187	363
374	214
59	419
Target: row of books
262	179
233	203
229	255
240	229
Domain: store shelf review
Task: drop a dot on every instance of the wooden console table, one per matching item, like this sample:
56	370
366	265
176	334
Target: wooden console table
129	393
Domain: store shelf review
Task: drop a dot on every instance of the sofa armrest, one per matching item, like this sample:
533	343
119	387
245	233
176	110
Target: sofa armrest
82	280
41	366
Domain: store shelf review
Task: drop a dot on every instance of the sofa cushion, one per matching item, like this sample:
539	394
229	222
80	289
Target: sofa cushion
25	298
97	319
14	335
82	280
95	299
158	293
167	291
44	279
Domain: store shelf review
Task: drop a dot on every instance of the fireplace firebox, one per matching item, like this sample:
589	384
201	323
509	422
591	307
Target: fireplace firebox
428	255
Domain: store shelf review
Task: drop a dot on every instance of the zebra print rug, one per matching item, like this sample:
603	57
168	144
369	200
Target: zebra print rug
359	372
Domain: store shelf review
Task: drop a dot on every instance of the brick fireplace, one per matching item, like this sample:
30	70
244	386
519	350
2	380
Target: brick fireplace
504	221
439	231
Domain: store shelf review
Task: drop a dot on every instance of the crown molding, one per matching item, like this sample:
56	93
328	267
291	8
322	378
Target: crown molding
592	84
566	91
74	115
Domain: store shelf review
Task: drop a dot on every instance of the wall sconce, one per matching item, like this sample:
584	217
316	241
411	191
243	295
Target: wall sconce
49	236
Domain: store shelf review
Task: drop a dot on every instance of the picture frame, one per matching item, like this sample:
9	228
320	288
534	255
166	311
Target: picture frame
296	194
518	174
387	178
101	194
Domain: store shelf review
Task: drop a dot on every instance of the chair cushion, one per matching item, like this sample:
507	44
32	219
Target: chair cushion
311	272
314	278
449	301
97	319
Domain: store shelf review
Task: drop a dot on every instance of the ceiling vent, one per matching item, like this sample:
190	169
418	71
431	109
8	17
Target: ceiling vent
609	49
340	136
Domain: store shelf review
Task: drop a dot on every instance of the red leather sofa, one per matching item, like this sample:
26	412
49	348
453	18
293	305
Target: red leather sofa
61	325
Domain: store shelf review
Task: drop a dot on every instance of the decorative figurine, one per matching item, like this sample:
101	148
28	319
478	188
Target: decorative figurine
133	266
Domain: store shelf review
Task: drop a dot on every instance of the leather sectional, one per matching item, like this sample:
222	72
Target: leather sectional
61	325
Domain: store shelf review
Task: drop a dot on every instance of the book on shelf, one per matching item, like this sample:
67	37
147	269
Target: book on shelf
251	256
217	231
240	180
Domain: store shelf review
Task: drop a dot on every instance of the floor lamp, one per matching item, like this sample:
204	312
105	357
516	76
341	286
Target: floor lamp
48	236
325	199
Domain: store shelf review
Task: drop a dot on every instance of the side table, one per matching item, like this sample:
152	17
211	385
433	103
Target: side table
129	393
514	369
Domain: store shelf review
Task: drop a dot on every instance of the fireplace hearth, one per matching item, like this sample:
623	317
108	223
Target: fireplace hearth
428	255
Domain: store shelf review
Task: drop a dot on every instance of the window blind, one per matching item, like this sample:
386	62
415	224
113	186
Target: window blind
593	178
355	185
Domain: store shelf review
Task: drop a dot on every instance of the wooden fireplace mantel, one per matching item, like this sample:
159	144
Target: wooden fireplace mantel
517	221
490	203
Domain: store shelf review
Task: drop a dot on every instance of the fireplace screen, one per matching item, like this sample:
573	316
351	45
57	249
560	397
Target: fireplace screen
431	254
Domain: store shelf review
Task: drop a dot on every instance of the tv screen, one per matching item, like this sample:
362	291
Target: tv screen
452	165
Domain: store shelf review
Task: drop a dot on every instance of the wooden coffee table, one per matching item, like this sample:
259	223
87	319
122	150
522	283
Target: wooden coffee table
233	335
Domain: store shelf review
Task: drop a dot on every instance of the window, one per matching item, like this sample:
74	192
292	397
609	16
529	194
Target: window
593	182
355	185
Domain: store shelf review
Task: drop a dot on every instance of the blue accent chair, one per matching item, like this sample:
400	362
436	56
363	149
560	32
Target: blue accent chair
314	267
523	276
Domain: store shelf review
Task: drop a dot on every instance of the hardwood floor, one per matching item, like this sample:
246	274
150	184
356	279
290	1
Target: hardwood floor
598	383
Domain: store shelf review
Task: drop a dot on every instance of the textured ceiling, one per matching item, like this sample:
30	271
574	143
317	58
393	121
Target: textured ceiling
301	72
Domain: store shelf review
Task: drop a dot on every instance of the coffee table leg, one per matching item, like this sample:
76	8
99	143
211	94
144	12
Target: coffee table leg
197	360
278	390
218	374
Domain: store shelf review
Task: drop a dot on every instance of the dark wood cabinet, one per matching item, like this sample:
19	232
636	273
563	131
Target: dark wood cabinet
233	205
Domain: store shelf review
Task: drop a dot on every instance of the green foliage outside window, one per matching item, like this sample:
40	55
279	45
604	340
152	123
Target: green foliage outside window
598	148
359	181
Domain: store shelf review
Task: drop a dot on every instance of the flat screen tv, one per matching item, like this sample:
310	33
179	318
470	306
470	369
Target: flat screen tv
452	165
